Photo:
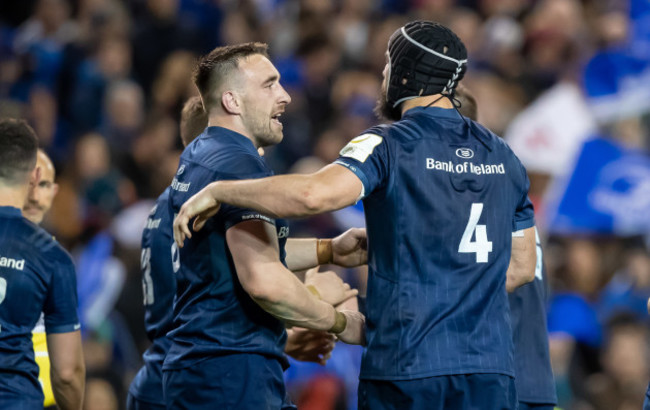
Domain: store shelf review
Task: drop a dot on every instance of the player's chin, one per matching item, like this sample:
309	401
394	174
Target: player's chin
275	136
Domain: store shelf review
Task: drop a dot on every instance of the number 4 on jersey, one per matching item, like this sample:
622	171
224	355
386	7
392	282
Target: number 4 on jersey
481	246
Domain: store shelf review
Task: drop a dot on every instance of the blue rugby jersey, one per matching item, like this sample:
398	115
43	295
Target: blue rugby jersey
213	314
36	275
534	377
441	206
158	288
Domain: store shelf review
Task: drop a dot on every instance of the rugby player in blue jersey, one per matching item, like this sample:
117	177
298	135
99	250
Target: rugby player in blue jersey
442	196
159	286
234	295
36	275
533	373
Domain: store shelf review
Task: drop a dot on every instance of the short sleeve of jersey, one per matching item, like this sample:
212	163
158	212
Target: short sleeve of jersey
246	167
60	309
525	213
367	157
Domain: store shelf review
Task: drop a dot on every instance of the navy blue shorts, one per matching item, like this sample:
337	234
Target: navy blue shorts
535	406
239	381
458	392
646	402
134	404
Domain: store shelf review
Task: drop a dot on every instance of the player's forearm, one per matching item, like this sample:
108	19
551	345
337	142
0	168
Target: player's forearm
301	253
523	258
281	294
285	196
68	387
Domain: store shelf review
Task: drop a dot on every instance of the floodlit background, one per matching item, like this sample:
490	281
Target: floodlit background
566	82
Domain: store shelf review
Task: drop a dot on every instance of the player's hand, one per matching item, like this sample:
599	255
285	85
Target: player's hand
350	304
203	206
329	286
355	328
309	345
350	248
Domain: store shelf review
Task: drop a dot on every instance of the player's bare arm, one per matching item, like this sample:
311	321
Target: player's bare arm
67	369
254	249
348	249
522	260
288	196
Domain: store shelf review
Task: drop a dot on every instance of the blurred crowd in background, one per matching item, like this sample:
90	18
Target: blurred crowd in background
566	82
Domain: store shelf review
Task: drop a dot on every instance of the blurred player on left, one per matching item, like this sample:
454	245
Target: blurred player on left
39	201
36	275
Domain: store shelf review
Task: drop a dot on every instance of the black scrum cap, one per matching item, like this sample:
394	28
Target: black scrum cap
425	58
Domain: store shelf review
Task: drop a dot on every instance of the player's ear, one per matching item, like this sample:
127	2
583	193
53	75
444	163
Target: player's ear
231	102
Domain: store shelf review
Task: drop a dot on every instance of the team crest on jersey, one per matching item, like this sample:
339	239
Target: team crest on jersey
464	153
181	169
361	147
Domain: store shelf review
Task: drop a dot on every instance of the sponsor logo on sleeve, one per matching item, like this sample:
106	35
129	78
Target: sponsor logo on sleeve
361	147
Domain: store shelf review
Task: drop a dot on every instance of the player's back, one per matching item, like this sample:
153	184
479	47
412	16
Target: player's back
36	275
439	220
213	314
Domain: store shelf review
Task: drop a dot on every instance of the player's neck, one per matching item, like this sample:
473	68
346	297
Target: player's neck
231	122
13	196
427	101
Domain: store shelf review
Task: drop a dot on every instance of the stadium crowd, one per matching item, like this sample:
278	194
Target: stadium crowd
566	82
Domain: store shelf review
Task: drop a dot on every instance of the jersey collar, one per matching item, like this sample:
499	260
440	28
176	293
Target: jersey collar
228	136
433	112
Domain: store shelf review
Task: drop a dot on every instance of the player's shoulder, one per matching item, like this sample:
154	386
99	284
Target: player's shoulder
45	244
228	155
372	136
496	143
161	202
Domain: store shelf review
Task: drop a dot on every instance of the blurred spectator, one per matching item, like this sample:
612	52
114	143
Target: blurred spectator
123	116
157	35
174	84
100	395
40	41
622	383
111	62
629	289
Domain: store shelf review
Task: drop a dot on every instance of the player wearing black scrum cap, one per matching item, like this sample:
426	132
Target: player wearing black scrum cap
442	196
424	59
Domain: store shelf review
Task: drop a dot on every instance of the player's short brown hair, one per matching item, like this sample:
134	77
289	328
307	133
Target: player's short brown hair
213	69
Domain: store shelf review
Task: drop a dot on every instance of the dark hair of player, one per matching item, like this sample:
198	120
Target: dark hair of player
18	148
214	69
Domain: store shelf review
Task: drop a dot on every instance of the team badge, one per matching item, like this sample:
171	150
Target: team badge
361	147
